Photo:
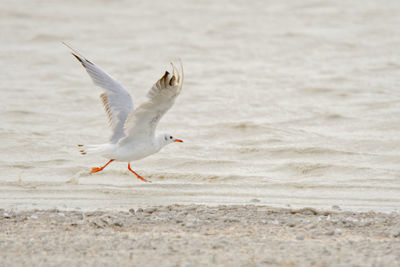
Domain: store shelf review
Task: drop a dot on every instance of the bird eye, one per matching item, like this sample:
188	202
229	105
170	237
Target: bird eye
170	137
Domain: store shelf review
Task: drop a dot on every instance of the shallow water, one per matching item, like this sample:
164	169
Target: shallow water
291	103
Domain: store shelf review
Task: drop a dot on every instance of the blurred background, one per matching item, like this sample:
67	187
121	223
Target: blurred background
285	103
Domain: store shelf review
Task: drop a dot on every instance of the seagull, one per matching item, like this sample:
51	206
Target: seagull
133	129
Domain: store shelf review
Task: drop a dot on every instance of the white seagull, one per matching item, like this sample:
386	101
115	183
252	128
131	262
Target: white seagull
133	130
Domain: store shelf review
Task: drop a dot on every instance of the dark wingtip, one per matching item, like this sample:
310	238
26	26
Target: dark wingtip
88	61
171	82
165	75
163	80
78	58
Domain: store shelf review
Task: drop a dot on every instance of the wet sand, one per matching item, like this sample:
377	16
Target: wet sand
196	235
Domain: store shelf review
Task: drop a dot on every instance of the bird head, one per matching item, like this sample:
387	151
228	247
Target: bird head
168	138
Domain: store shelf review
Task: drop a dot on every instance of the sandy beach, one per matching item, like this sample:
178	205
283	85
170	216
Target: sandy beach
196	235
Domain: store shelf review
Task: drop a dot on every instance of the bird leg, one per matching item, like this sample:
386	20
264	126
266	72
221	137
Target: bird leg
97	169
137	175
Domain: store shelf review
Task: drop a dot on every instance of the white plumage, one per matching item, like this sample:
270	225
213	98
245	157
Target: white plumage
133	130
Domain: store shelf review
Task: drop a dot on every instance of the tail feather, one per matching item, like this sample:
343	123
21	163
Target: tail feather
94	149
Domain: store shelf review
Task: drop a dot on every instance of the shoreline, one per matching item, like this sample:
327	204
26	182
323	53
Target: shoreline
192	235
90	194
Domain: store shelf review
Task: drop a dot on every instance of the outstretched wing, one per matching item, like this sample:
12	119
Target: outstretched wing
116	99
142	122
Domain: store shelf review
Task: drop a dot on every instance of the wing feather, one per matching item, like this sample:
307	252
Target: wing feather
116	99
142	122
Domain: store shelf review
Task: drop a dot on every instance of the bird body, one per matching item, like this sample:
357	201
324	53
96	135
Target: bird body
133	130
129	150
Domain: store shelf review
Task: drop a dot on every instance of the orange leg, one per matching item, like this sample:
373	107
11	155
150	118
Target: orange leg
97	169
137	175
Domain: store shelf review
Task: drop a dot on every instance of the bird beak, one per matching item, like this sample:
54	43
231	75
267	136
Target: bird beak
178	140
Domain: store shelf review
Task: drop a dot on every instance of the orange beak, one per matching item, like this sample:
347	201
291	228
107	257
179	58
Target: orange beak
178	140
